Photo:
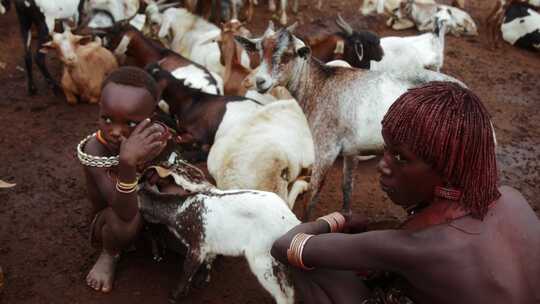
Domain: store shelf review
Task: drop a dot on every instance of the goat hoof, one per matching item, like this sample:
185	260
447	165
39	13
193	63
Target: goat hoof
201	279
32	91
57	91
177	297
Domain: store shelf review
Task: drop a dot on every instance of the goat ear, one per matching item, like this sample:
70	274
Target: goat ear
84	39
247	44
46	47
292	27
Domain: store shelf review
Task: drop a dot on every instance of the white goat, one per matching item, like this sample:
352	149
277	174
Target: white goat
189	35
343	106
521	27
389	7
269	151
425	51
384	6
422	14
119	10
212	222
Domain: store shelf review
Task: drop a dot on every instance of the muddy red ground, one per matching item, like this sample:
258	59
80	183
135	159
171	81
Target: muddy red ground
44	219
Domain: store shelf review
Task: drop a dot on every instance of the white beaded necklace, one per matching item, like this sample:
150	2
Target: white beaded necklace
95	161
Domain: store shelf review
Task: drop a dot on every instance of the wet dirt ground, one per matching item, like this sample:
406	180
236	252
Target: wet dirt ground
44	219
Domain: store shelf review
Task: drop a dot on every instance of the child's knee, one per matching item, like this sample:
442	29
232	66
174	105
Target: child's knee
124	232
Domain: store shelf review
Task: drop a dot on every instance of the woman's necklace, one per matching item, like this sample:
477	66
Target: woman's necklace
95	161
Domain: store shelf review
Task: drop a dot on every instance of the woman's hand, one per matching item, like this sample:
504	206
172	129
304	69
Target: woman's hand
145	143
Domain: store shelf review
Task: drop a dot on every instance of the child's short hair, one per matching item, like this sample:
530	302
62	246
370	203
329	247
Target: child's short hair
135	77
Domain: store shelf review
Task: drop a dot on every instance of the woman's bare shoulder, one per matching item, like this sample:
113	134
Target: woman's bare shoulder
511	195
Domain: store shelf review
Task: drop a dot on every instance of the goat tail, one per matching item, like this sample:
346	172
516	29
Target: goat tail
299	186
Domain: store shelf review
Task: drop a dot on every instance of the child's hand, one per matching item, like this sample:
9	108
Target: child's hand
144	143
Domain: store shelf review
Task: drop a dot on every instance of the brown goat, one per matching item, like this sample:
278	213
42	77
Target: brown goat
127	41
231	58
198	115
85	66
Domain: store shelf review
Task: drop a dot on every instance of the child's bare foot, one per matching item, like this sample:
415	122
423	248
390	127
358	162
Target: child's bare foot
101	276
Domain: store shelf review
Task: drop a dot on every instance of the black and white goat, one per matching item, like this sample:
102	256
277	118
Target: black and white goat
42	14
211	222
521	26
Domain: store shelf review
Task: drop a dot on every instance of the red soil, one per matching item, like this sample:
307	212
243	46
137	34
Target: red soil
44	220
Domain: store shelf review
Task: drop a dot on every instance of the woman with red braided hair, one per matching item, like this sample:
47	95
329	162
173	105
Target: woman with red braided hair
466	240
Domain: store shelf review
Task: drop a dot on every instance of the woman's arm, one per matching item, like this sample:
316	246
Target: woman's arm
391	250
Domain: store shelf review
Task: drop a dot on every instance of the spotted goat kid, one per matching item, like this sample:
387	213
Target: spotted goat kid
209	222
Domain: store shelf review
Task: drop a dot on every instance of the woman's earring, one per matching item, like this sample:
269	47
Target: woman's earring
448	193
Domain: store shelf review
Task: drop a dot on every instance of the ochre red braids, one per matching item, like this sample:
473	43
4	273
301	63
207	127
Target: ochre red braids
447	126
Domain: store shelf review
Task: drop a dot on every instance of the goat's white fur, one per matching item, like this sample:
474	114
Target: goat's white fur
423	16
383	6
119	9
519	27
344	110
424	51
61	9
265	151
241	223
191	36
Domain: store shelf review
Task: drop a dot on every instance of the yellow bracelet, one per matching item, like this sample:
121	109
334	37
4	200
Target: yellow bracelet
127	185
126	190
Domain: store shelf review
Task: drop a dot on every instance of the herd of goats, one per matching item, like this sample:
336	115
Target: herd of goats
269	113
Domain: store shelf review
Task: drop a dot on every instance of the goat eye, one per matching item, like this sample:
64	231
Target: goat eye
132	124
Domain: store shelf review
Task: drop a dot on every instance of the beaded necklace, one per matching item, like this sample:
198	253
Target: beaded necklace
95	161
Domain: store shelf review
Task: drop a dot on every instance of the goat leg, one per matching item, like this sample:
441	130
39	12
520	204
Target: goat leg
201	279
152	233
272	5
492	24
283	17
347	182
68	86
191	265
26	36
249	11
317	182
43	34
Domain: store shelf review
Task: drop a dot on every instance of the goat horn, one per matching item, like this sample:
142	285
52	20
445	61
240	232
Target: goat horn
269	29
343	25
166	6
292	27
